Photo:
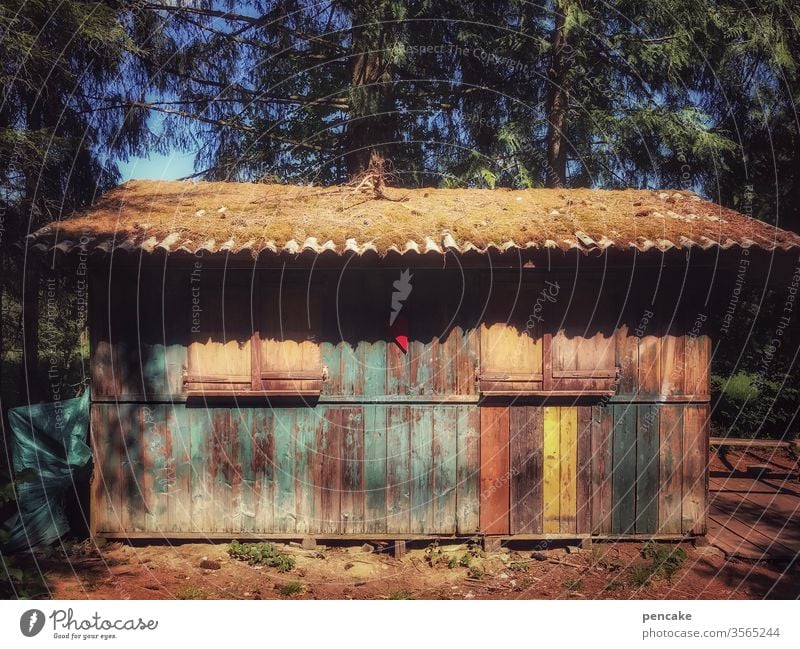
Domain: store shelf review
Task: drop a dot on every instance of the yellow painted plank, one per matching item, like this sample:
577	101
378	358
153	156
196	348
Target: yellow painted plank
568	462
551	471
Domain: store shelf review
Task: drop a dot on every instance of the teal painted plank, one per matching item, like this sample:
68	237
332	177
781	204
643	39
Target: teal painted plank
178	478
331	358
467	498
284	469
247	504
328	476
374	369
398	469
158	444
202	495
445	462
375	469
421	469
224	428
623	488
263	465
647	469
352	500
351	369
133	501
306	426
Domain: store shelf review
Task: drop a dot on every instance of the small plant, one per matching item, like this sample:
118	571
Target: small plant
290	589
665	560
190	592
573	584
475	572
465	560
264	554
435	556
518	566
400	594
474	548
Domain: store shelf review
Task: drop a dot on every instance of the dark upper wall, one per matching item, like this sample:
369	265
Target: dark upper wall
522	331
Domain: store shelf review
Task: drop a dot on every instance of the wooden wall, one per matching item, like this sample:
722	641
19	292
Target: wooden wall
326	469
494	421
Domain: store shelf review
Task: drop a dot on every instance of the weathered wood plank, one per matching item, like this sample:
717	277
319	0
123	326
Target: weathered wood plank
398	469
245	505
647	469
672	364
328	489
202	493
305	454
494	498
285	452
584	472
526	430
352	506
421	425
445	455
469	444
179	470
623	480
551	470
133	502
602	462
671	469
159	467
375	468
695	473
263	466
649	376
568	462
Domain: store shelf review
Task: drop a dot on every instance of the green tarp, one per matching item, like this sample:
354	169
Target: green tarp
50	440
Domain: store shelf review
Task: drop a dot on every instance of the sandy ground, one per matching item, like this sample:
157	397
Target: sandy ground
206	571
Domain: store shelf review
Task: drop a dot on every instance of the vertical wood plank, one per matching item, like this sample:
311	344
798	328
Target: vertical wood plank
329	487
647	469
551	471
305	453
568	463
445	454
672	364
202	493
627	359
469	444
352	501
375	468
285	445
133	503
398	469
494	499
671	465
179	475
584	475
263	465
623	480
421	468
246	506
526	430
695	472
602	458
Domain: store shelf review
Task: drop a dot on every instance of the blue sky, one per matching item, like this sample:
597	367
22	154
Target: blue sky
158	167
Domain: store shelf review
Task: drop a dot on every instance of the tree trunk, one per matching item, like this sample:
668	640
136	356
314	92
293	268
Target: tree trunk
373	121
558	97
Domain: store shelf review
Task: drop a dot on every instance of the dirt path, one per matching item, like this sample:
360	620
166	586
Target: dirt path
206	571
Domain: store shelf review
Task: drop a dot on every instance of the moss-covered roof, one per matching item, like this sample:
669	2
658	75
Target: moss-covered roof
256	218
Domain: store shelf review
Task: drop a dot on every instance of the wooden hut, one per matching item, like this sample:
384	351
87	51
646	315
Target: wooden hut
280	361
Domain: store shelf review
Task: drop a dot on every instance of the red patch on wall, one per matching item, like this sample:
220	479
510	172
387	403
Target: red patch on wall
399	332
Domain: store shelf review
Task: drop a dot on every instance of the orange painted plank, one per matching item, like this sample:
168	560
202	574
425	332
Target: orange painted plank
494	516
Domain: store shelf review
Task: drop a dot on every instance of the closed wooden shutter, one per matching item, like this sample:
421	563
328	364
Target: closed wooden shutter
219	358
511	340
288	339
